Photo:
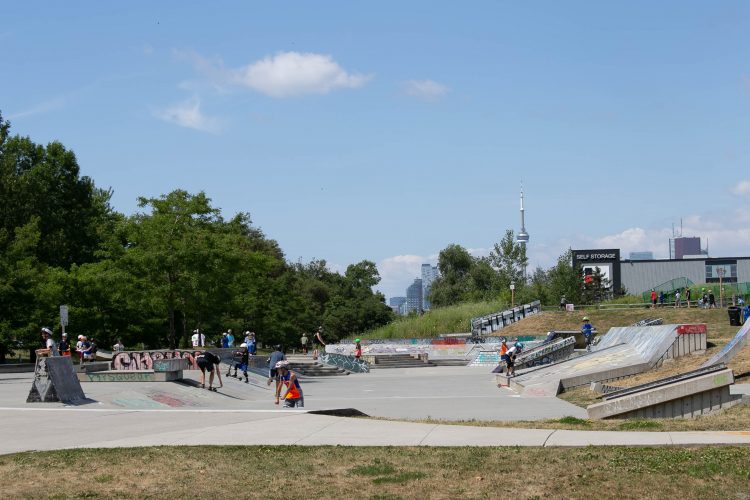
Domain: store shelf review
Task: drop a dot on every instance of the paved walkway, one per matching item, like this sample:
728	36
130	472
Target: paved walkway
58	428
147	414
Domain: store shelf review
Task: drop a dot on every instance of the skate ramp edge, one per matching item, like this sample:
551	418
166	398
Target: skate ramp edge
733	348
679	399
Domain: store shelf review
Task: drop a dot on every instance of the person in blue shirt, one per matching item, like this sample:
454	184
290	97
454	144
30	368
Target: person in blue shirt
745	313
224	341
588	332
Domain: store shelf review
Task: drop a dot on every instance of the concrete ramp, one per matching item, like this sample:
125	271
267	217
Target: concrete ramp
686	395
622	352
733	348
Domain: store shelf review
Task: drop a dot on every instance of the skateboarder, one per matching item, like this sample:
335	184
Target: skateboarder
240	361
293	396
209	361
588	332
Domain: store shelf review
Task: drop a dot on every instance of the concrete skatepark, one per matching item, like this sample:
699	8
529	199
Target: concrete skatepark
128	413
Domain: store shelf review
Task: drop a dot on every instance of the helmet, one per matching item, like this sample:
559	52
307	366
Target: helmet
282	364
585	318
46	330
518	345
243	345
356	340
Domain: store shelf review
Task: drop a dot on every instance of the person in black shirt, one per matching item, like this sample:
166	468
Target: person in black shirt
209	361
64	345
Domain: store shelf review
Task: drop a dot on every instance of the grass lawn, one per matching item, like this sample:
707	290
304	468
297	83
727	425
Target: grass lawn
382	473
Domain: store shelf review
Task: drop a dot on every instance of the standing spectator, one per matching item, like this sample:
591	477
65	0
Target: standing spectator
85	344
293	396
661	298
503	347
118	347
303	341
252	344
198	339
687	296
79	348
653	298
90	351
711	300
588	332
209	361
273	375
50	348
357	349
745	313
704	299
64	346
677	299
563	303
230	338
224	340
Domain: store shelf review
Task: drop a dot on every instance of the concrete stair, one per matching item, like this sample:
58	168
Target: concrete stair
399	361
449	362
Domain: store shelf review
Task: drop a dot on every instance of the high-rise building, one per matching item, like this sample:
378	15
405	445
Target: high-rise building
429	274
397	304
641	255
681	246
414	296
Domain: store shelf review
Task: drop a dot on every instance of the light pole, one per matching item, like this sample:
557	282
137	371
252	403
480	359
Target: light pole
720	272
512	294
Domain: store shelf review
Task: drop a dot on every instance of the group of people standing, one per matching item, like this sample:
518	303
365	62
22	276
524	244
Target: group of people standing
85	348
707	299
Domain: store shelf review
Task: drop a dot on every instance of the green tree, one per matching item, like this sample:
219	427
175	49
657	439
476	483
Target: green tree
565	280
455	281
509	259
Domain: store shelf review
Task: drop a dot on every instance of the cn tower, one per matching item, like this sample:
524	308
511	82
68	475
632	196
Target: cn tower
523	236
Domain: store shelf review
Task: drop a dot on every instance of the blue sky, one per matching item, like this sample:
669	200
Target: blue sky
388	130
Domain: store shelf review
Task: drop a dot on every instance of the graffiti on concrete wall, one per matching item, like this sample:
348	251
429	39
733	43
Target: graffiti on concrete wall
144	360
348	363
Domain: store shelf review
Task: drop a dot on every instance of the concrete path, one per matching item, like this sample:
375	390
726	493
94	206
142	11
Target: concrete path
59	428
125	414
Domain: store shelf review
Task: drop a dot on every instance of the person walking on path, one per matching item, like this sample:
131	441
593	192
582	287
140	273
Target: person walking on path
209	362
588	332
687	296
293	397
273	375
677	299
653	299
303	342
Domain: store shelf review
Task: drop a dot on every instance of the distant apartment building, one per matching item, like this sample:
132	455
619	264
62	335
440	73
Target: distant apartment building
682	246
429	274
414	296
398	304
641	255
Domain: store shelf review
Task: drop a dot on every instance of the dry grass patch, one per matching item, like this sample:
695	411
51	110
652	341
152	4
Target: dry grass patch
347	472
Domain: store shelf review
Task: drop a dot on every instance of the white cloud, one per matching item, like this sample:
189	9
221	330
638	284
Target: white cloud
188	114
742	188
427	90
289	74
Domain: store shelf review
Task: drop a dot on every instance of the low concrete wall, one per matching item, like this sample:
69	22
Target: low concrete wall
17	368
681	399
130	376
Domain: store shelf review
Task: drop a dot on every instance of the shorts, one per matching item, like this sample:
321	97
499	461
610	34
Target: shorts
505	358
205	365
653	301
272	373
294	402
510	362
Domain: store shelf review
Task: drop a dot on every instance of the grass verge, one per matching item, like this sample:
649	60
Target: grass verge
378	472
736	418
